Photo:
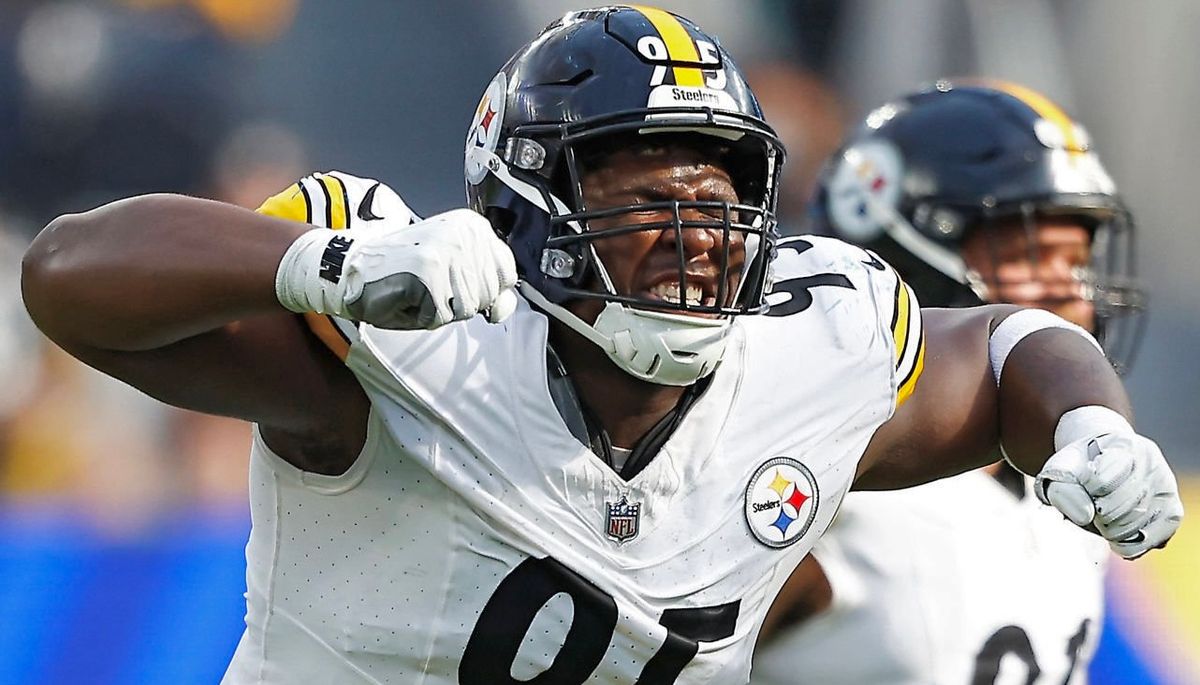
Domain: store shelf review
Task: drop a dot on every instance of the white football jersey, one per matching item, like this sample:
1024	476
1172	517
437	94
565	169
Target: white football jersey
475	540
957	581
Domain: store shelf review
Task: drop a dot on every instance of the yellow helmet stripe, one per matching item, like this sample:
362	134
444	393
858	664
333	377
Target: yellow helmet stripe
680	47
1045	108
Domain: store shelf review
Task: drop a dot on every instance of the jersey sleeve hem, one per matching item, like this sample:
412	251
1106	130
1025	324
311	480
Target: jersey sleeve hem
324	484
908	335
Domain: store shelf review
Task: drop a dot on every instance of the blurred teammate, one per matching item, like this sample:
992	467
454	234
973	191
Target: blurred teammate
608	475
975	193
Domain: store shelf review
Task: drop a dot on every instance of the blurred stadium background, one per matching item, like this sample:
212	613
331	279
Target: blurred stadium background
122	521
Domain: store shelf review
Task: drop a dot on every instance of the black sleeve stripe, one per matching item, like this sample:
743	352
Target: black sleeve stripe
896	303
308	218
328	203
318	199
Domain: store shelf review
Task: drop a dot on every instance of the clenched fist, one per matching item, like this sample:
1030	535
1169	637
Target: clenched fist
446	268
1106	475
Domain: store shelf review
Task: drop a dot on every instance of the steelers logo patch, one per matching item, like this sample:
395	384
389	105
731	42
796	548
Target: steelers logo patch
781	502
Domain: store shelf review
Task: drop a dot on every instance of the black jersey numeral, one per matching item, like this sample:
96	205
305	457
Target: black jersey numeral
799	289
1014	640
508	614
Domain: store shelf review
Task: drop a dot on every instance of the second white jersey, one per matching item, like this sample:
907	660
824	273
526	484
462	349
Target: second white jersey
958	581
476	540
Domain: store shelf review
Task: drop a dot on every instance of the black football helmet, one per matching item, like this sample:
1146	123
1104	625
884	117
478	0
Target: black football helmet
925	171
600	79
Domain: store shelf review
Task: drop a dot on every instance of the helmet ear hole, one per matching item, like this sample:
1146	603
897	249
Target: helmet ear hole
562	185
502	219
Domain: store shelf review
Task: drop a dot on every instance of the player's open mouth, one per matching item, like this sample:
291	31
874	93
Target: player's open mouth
669	292
696	293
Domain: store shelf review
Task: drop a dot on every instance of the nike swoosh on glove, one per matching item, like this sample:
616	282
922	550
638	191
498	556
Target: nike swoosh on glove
1117	481
446	268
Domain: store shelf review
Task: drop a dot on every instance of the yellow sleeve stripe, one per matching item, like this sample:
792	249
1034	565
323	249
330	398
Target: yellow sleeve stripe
289	204
905	390
900	319
680	46
340	215
320	199
308	201
909	339
335	201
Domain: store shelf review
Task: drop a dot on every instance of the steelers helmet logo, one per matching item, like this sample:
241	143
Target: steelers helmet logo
781	502
864	186
485	127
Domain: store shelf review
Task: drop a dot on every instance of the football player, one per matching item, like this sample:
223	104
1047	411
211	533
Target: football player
559	437
975	192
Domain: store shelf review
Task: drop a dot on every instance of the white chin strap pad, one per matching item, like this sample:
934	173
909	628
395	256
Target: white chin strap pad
662	348
669	349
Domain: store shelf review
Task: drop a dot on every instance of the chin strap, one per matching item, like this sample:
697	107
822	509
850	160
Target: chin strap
564	315
668	349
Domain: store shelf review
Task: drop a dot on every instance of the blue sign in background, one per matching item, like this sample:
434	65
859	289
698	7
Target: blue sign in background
77	606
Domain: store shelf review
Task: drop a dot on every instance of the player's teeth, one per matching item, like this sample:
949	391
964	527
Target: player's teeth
669	292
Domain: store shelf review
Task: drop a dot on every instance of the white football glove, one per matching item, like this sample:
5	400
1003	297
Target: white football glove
446	268
1106	475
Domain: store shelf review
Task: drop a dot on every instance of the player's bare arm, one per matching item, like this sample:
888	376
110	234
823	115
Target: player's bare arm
1056	406
175	266
190	300
176	296
936	434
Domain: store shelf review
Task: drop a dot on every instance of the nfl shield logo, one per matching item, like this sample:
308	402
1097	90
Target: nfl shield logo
623	517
